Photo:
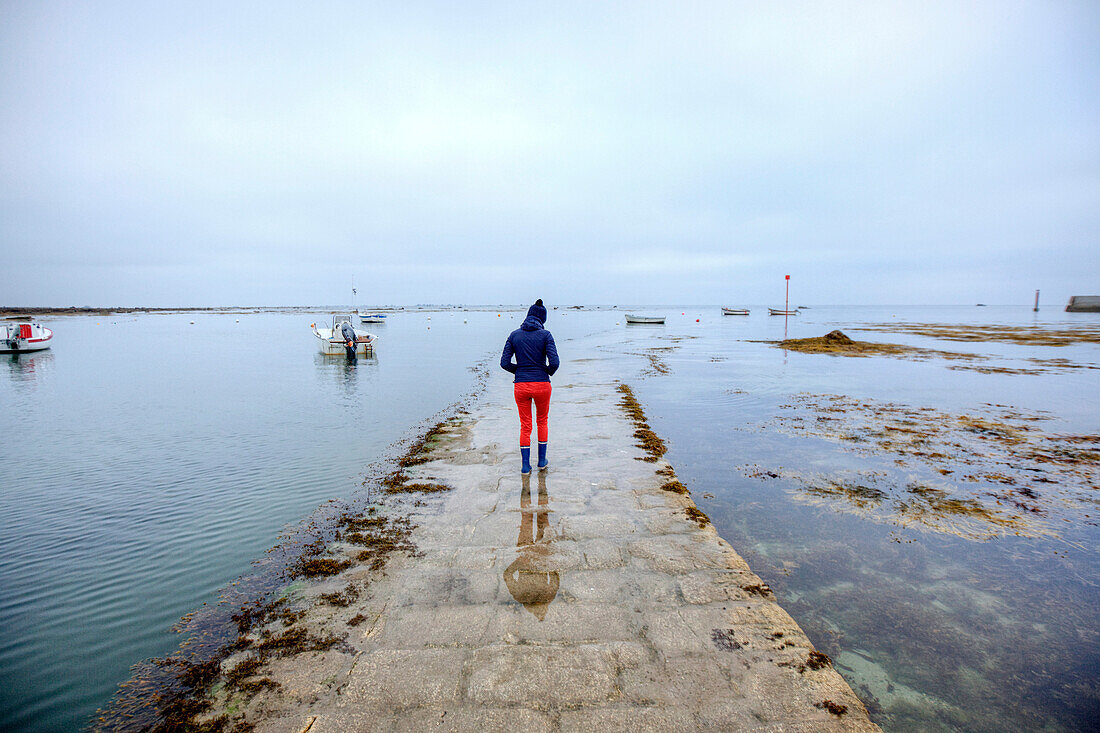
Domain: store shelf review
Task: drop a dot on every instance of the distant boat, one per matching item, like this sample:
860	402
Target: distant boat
331	342
780	312
371	317
19	337
645	319
735	311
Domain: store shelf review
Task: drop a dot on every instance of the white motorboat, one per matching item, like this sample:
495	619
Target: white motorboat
19	337
371	317
330	341
781	312
644	319
735	311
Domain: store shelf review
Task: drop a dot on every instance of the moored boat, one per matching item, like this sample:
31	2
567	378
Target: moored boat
781	312
331	342
645	319
735	311
17	338
371	317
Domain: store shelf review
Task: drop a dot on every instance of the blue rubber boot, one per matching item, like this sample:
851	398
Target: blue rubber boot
542	457
525	454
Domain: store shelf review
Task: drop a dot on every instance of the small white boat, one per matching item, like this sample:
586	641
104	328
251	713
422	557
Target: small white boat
15	338
330	341
645	319
735	311
371	317
781	312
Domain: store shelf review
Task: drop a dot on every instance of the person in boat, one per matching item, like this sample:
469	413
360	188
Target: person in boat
348	332
536	360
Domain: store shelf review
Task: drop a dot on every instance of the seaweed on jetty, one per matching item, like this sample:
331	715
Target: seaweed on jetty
296	640
320	567
697	516
833	707
419	451
758	589
675	487
398	482
254	686
341	598
647	439
247	668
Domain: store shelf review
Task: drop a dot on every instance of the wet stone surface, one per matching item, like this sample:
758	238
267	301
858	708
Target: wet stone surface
579	598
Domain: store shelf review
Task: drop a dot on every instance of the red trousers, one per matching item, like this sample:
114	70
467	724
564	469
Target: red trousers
539	393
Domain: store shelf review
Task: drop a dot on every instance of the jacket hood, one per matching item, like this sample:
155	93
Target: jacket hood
538	310
531	323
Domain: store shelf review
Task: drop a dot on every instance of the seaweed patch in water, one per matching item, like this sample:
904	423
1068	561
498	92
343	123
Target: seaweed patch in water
837	343
1034	335
1005	450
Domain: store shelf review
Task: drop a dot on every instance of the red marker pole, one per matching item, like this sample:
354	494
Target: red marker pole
787	297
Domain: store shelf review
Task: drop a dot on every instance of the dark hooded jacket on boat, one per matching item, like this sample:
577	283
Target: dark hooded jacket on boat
534	349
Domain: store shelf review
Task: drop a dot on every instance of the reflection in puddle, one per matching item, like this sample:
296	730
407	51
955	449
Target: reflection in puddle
532	578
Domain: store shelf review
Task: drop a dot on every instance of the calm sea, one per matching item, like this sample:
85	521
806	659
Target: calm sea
148	460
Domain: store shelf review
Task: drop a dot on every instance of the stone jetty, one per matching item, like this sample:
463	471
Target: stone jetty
583	598
1083	304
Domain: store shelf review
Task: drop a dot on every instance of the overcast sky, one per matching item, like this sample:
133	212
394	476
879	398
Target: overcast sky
229	153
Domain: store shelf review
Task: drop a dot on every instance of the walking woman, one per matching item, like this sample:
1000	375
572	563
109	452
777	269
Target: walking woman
536	360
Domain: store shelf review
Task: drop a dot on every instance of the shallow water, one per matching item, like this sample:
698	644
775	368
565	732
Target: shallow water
170	455
935	631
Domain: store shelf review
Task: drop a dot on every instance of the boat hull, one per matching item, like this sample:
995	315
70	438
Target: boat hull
735	311
651	320
329	346
11	342
778	312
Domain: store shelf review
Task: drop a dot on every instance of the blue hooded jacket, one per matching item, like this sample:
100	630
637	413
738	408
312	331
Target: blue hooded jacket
534	348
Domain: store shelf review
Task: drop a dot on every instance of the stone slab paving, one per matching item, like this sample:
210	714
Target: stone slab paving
581	598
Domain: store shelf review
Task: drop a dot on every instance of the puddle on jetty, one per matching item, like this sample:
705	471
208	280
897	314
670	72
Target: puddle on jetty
933	530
